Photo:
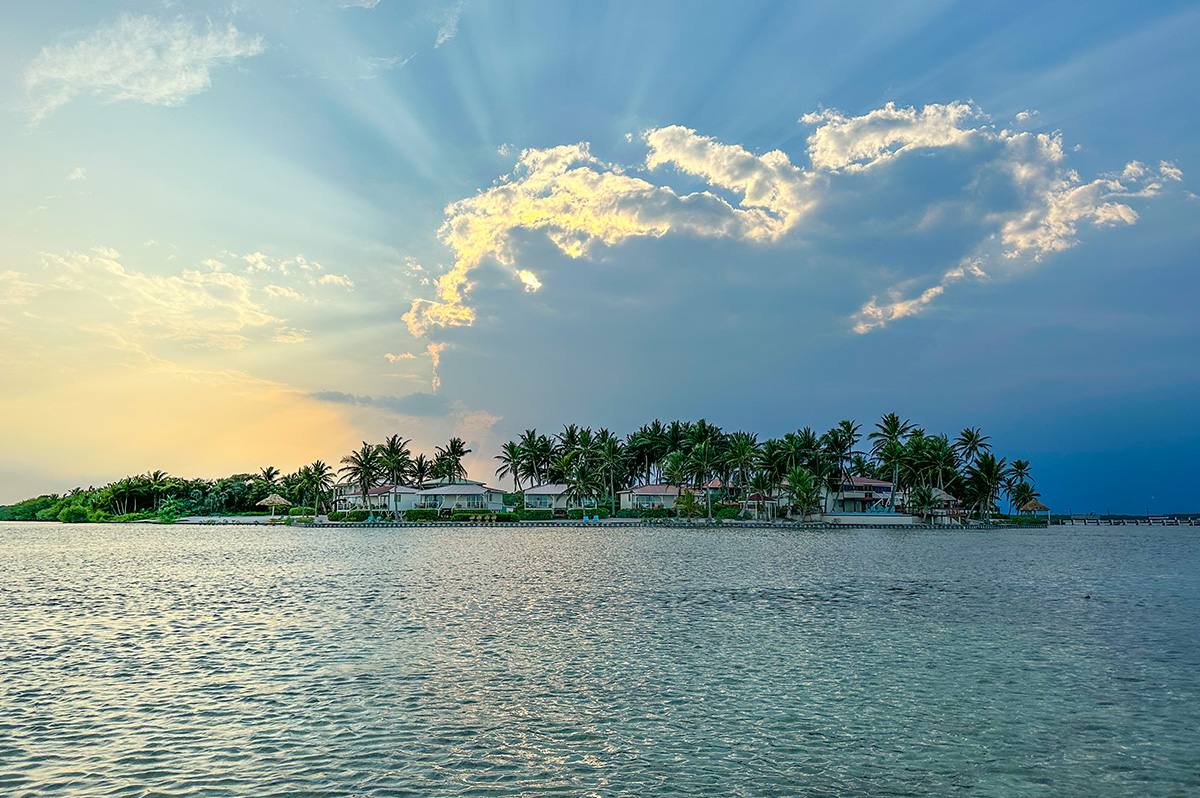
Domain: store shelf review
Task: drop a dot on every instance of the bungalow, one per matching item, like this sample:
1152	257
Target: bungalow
647	497
459	496
556	498
392	499
859	495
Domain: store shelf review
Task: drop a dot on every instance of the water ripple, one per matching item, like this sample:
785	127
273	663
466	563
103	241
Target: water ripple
177	661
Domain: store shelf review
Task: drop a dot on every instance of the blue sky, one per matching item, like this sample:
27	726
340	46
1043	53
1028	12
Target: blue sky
259	233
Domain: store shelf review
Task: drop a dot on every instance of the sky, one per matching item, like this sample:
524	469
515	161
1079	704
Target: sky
259	233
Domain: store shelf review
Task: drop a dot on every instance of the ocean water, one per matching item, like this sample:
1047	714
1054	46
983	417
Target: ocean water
209	661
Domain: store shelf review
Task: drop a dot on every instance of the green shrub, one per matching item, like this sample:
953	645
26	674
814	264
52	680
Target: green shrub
649	512
537	515
578	514
358	515
337	515
73	514
98	516
471	515
514	500
726	513
420	515
301	511
507	518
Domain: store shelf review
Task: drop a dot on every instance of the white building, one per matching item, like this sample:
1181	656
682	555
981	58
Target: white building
648	497
384	499
459	496
556	498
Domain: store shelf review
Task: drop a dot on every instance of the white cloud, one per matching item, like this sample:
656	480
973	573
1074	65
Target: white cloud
580	203
15	289
435	359
860	142
1170	171
1025	116
283	292
530	280
344	4
374	66
873	316
207	309
449	28
290	335
137	58
402	356
336	279
77	174
770	181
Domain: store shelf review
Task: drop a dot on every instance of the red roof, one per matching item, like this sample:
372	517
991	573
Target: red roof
867	481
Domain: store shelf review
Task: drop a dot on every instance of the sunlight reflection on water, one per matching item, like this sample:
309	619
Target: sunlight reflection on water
217	661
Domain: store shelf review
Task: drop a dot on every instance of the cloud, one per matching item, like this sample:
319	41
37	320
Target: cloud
336	279
374	66
873	316
137	58
290	335
283	292
77	174
1170	171
1025	116
1011	190
532	283
449	28
15	289
581	203
435	358
402	356
344	4
413	404
861	142
206	309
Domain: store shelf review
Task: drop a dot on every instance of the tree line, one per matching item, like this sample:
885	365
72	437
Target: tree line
683	453
159	494
597	465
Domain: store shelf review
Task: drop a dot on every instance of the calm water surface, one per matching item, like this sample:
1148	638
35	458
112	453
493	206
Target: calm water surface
178	661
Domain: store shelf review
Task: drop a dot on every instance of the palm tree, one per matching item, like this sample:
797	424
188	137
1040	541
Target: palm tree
970	443
802	491
452	455
701	464
510	463
421	471
321	481
890	434
985	479
741	456
269	474
611	462
582	481
675	471
395	458
363	468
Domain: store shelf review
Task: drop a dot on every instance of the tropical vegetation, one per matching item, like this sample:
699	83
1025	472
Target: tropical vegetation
739	470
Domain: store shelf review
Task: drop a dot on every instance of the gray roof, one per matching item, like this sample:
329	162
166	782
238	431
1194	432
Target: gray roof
553	489
459	489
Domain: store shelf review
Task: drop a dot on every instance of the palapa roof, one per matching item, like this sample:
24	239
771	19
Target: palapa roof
1034	506
274	500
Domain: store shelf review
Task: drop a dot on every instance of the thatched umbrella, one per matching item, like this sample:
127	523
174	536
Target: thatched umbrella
1035	506
273	501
